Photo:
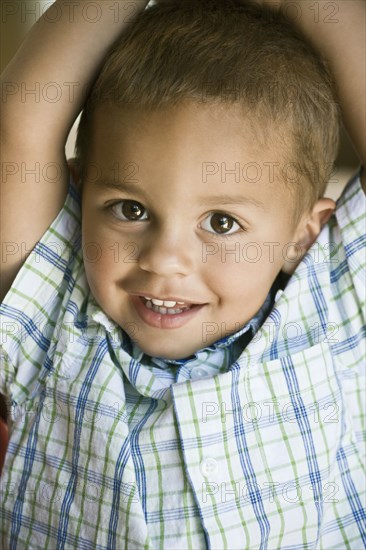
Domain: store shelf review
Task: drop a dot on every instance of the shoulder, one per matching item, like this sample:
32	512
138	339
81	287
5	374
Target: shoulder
347	242
350	206
36	302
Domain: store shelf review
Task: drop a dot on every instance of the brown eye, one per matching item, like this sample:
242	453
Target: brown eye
221	223
129	210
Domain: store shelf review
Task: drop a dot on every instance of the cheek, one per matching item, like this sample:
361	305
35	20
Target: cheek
242	273
95	272
235	262
104	247
100	256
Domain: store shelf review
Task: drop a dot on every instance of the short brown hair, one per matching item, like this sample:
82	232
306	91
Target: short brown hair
226	51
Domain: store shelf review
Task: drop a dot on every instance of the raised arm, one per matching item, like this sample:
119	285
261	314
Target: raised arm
43	90
59	59
337	29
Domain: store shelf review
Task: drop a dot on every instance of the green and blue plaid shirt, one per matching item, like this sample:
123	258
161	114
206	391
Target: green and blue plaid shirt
258	442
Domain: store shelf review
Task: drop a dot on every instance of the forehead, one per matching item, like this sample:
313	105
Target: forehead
217	146
213	126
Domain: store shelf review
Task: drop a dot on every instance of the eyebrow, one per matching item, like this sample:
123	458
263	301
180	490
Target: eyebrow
231	199
223	200
125	186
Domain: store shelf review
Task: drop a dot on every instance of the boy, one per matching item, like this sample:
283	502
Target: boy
205	249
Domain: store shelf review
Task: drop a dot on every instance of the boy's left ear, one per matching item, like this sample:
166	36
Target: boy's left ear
310	227
307	232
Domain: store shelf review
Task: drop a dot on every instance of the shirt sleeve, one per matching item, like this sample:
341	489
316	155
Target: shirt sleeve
351	219
31	308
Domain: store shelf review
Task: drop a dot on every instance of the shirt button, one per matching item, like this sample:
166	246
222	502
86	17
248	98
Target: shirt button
209	467
199	372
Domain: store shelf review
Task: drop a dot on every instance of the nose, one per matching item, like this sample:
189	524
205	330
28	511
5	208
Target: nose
167	252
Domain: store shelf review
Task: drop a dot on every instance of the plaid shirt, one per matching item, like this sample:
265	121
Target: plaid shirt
258	449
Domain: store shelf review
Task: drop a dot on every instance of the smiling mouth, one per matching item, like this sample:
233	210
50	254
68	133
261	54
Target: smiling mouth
163	316
166	307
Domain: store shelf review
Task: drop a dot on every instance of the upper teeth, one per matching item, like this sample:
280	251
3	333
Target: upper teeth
165	303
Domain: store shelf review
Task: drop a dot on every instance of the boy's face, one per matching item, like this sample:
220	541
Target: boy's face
201	216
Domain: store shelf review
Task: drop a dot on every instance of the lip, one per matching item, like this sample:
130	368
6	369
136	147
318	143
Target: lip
158	320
